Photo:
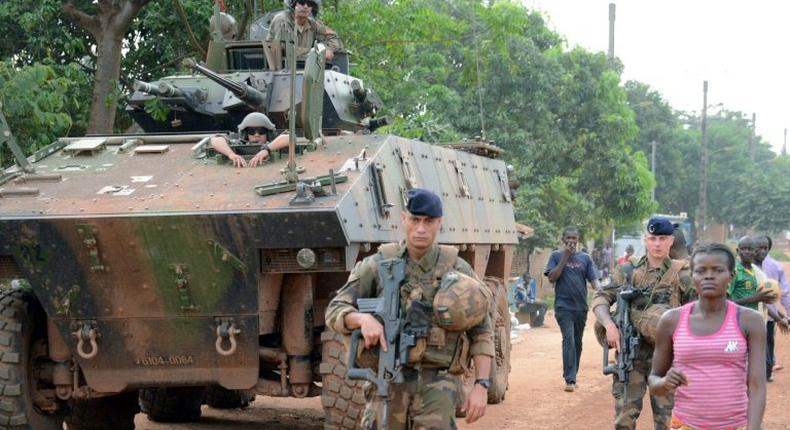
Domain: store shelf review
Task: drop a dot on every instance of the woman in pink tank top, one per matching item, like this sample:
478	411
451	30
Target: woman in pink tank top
711	353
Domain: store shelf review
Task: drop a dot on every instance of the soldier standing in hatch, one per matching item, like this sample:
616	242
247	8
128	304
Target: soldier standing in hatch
662	281
427	398
255	129
308	31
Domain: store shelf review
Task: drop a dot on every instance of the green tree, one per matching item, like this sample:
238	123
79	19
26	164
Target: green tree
38	103
677	148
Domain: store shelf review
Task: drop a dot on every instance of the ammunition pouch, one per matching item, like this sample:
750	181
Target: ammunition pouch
418	318
418	323
446	350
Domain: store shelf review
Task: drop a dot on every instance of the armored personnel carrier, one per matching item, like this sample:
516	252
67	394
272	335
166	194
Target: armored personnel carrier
145	265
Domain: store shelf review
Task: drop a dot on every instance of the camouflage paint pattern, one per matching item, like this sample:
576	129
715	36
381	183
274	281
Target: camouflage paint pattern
155	250
425	400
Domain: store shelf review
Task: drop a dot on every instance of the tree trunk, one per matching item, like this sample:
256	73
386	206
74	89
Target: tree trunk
108	27
105	99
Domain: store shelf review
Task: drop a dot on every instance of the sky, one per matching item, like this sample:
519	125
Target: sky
739	47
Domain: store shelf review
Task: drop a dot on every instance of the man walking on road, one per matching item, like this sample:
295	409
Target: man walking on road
774	270
569	270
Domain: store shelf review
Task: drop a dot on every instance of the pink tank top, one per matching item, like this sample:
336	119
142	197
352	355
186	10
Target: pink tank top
715	366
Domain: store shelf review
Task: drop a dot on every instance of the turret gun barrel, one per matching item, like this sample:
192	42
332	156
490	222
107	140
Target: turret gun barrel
244	92
167	90
145	87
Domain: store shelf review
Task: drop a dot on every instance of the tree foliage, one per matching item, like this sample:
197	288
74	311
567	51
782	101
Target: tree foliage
578	139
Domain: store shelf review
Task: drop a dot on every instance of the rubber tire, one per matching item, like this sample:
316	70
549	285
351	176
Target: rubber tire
113	412
343	400
221	398
500	365
19	312
172	405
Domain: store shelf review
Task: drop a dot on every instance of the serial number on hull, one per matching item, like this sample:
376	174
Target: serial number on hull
162	360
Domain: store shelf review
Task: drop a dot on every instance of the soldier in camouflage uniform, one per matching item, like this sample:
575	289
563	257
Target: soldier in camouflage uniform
664	282
427	399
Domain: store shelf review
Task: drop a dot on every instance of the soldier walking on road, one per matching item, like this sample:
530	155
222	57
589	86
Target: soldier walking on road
664	283
569	271
427	398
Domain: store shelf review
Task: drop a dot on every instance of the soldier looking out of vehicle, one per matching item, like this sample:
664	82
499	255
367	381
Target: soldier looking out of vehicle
308	31
427	397
664	283
255	129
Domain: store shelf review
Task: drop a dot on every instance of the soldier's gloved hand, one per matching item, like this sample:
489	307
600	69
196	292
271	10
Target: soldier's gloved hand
613	336
259	158
238	160
372	332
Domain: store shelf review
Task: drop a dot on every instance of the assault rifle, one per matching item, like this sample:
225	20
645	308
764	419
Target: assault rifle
629	338
400	332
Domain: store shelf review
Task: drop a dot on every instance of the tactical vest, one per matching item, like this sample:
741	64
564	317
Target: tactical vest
665	291
662	296
442	348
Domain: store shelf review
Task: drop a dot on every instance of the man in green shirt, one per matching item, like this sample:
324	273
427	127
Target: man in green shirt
743	287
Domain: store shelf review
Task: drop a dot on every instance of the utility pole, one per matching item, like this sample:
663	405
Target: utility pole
611	33
703	180
751	136
653	167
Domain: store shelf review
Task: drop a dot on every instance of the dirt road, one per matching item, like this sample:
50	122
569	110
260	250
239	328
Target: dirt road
535	400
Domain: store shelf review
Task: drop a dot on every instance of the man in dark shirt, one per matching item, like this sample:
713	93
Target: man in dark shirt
569	271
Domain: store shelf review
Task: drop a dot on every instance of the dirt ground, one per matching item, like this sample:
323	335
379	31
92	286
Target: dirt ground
535	399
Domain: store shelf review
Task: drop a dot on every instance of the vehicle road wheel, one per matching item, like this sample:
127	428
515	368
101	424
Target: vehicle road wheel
172	405
500	366
343	400
113	412
221	398
22	333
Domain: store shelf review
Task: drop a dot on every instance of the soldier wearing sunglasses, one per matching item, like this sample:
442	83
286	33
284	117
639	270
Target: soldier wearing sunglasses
255	129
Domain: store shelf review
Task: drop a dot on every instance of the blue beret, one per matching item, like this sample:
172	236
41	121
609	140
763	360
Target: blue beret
424	202
660	226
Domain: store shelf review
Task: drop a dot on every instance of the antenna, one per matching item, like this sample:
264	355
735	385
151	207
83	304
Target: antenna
479	87
291	174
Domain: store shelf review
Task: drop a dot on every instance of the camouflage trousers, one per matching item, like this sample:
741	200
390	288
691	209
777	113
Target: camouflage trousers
628	399
424	401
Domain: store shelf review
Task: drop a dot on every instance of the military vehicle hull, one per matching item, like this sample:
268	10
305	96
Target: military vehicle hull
157	265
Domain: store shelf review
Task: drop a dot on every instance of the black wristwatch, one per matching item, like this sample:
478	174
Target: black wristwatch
267	147
486	383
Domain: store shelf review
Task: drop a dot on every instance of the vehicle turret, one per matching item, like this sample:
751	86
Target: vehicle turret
235	80
256	100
